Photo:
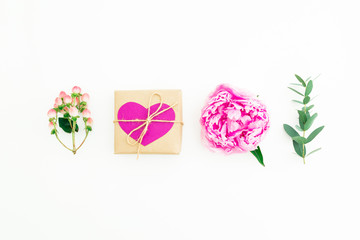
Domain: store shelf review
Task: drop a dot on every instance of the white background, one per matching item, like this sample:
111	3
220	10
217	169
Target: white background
102	46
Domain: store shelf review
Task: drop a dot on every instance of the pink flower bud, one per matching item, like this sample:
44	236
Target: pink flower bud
89	122
86	113
51	113
58	101
62	94
76	89
73	111
67	99
51	125
85	97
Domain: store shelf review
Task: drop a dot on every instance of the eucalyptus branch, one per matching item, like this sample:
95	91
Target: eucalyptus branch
306	119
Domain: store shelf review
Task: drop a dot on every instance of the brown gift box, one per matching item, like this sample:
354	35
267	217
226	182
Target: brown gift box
170	143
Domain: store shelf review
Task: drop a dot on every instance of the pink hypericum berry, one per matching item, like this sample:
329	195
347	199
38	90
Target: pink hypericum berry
67	99
76	89
65	109
55	105
86	113
51	125
51	113
62	94
89	122
73	111
58	101
85	97
76	100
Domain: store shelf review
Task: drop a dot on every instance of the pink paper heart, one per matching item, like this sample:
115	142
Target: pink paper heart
133	110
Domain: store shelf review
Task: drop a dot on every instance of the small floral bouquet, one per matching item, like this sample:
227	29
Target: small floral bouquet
233	121
66	111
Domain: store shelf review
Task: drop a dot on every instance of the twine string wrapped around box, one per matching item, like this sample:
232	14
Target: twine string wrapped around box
147	121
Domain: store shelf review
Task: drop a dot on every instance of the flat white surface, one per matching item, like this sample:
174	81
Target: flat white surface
49	46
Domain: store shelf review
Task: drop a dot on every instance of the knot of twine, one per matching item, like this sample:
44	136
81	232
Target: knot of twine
147	121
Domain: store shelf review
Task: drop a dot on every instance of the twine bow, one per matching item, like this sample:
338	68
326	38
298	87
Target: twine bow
147	121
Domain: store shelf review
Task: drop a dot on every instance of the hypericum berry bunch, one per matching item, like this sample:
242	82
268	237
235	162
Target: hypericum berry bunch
67	110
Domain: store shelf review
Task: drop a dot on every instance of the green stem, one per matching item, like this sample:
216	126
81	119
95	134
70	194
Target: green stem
73	137
57	137
83	140
303	151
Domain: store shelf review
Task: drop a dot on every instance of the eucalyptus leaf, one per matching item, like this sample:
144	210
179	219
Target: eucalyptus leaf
318	149
300	139
298	128
309	88
296	91
296	84
257	153
314	134
300	80
290	131
297	101
308	108
306	100
299	149
302	119
310	121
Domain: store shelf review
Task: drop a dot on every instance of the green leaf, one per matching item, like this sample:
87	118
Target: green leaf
290	131
66	115
310	121
296	84
299	139
308	108
53	131
300	80
314	134
309	88
318	149
302	119
295	91
64	123
306	100
89	128
299	149
298	128
306	80
297	101
257	153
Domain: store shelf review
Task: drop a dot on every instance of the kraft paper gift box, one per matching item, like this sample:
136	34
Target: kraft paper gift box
140	129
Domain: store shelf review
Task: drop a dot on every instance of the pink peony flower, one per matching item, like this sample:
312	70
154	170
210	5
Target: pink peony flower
51	113
89	122
86	113
76	89
67	99
232	121
62	94
58	101
85	97
73	111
